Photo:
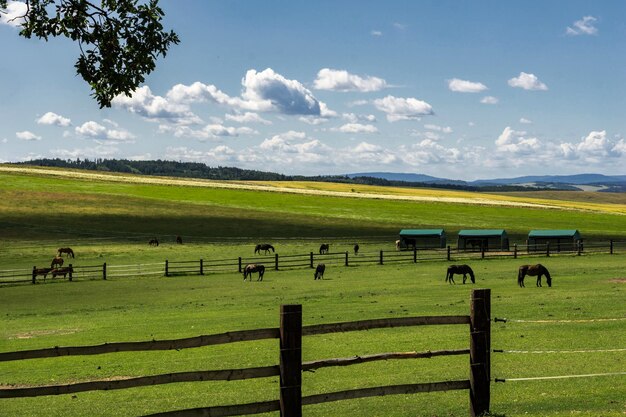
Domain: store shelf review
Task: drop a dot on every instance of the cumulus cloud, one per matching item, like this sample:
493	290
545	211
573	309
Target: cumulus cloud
14	12
95	131
220	154
463	86
398	108
27	135
51	118
525	121
584	26
99	151
437	128
356	118
516	142
376	33
527	82
595	147
341	80
157	108
209	131
356	128
247	117
489	100
368	153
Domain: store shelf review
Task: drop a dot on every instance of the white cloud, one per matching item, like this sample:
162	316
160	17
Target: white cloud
516	142
51	118
341	80
14	12
376	33
367	153
210	131
26	135
399	26
525	121
313	121
356	118
429	152
584	26
596	147
358	103
436	128
94	130
157	108
463	86
489	100
98	151
247	117
398	108
356	128
220	154
527	82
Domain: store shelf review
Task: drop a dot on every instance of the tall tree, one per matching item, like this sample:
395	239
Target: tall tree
119	40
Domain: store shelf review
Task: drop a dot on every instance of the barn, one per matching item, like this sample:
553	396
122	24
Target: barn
422	238
559	240
487	239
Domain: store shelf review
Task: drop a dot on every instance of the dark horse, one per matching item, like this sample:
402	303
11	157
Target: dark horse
533	270
41	271
250	268
153	242
62	271
179	240
68	251
265	246
356	249
319	271
324	247
56	261
460	269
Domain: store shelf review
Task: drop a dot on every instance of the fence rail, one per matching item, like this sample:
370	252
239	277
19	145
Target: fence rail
291	366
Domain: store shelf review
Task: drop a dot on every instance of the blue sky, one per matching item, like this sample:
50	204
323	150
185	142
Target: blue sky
454	89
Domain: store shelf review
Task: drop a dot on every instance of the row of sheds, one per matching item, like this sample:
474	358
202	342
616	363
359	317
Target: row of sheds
488	239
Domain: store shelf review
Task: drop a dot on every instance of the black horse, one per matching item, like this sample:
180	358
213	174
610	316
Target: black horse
356	249
67	251
319	271
251	268
460	269
324	247
266	247
153	242
533	270
179	240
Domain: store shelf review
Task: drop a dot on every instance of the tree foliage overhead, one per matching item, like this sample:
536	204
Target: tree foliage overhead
119	40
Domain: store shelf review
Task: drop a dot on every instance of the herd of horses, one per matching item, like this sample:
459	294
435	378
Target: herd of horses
56	266
537	270
324	248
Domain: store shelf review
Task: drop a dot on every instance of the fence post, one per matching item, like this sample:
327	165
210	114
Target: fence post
448	253
414	255
515	250
167	268
276	261
482	251
291	360
346	258
104	271
480	346
70	271
240	264
548	249
34	274
611	249
528	247
201	267
311	259
381	256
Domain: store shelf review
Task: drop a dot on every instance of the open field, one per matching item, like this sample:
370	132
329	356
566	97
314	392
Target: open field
110	220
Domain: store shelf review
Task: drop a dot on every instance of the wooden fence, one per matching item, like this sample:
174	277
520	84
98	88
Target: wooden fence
290	365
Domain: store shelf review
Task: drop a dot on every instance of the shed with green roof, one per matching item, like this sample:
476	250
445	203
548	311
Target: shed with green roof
422	238
483	239
559	240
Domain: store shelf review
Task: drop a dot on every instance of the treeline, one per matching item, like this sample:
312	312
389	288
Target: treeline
200	170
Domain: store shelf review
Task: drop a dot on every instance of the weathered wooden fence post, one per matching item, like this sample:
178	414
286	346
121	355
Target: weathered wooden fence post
480	347
70	271
381	257
414	255
291	360
515	250
346	258
276	261
240	264
104	271
34	274
548	249
611	247
311	256
448	257
167	268
201	267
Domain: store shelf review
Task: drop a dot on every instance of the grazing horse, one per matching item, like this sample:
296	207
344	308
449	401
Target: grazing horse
460	269
68	251
324	247
398	244
264	246
356	249
250	268
179	240
62	271
57	261
153	242
533	270
319	271
41	271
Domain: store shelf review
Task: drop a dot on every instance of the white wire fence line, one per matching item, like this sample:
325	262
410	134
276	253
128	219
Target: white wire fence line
556	321
560	351
540	378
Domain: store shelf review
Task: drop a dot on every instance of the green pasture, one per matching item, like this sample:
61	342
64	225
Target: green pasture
60	313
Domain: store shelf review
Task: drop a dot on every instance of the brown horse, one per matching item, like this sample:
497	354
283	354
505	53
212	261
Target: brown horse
67	251
459	269
62	271
179	240
251	268
42	271
356	249
324	248
153	242
57	261
263	246
319	271
533	270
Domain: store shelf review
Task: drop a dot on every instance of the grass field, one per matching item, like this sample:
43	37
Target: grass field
111	221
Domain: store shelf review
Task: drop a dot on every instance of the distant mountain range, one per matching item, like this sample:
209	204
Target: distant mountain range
585	182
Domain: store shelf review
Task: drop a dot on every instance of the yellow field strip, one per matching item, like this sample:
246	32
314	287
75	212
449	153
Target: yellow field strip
327	189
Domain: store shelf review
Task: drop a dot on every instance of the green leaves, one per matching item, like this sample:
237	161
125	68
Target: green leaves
119	40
